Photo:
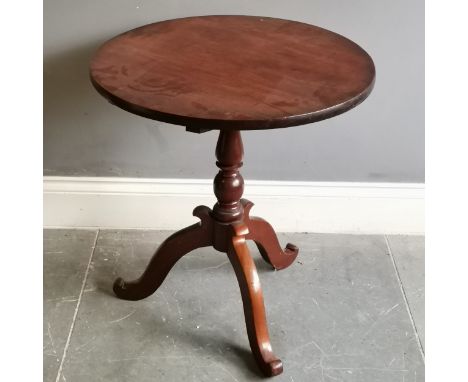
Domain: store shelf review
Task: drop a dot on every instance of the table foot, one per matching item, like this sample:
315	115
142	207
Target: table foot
264	236
252	298
169	252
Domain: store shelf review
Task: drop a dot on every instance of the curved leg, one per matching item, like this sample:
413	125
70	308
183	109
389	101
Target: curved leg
254	310
169	252
264	236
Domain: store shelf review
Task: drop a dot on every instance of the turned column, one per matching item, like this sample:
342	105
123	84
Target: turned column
228	184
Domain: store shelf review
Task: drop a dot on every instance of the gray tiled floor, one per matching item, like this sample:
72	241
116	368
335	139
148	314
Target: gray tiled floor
408	252
338	314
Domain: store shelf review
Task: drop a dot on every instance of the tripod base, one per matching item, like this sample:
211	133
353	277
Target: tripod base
231	239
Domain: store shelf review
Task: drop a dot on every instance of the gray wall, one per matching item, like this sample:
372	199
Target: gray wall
382	140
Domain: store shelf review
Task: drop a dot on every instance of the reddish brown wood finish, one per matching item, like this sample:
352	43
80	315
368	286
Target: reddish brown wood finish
169	252
230	73
263	234
226	228
228	184
252	298
233	72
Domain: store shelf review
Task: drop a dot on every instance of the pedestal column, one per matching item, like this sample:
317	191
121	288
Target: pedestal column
228	184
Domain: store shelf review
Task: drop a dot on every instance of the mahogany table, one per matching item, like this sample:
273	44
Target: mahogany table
230	73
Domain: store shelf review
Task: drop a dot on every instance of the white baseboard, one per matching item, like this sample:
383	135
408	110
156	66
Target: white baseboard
330	207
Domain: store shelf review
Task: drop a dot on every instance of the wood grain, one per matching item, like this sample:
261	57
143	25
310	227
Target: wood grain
233	72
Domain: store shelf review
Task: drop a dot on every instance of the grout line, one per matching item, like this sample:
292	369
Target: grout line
83	285
405	298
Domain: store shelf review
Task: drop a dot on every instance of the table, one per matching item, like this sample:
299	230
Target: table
230	73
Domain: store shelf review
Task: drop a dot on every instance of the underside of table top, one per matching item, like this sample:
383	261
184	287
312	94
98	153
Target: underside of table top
233	72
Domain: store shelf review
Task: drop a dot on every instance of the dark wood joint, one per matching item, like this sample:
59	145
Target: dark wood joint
196	129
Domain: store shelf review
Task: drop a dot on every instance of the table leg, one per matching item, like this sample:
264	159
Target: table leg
264	236
254	309
169	252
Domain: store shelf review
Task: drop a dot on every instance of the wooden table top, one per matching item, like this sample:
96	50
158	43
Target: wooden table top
233	72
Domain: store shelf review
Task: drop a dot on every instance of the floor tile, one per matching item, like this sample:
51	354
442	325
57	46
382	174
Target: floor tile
408	252
66	256
337	314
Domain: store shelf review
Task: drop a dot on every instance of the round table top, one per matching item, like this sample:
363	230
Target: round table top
233	72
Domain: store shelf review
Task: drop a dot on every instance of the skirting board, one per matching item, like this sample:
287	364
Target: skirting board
328	207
